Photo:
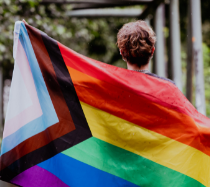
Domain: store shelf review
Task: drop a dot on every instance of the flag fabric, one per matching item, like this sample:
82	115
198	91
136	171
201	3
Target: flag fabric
74	121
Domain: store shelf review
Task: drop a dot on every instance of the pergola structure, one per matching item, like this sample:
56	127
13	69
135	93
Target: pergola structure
156	10
95	8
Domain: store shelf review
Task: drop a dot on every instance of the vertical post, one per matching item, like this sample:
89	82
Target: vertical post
147	20
190	68
159	51
195	9
175	46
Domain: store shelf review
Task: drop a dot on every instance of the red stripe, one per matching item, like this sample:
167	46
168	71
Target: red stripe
156	90
141	111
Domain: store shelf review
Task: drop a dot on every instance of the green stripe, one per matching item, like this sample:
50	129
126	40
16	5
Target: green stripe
127	165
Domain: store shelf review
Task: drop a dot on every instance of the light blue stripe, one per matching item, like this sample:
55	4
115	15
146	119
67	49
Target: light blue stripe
78	174
49	116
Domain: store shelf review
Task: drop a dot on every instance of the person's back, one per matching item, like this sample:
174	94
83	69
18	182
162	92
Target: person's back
136	42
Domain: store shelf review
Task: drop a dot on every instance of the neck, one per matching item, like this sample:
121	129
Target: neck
135	67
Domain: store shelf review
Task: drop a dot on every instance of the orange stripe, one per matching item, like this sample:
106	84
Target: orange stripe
140	111
156	90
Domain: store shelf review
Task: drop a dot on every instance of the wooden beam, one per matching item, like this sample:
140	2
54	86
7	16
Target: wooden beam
93	13
190	64
150	9
175	46
90	4
195	9
107	5
159	51
95	1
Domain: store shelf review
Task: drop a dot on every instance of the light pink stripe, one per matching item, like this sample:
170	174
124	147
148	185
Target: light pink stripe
32	112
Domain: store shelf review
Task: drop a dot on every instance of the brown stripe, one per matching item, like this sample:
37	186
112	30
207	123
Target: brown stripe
65	124
50	79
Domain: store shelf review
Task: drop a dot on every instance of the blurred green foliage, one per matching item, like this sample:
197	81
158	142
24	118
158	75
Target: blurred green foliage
95	38
205	16
206	58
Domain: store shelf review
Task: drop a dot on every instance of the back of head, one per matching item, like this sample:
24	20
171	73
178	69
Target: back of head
136	40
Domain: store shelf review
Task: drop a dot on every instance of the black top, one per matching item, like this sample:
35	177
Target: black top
154	75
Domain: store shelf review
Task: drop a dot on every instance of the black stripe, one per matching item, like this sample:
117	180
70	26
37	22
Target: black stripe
81	133
44	153
65	82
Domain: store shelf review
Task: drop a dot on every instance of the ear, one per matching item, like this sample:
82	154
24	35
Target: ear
123	52
153	50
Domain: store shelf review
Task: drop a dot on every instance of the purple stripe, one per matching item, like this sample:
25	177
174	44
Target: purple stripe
37	176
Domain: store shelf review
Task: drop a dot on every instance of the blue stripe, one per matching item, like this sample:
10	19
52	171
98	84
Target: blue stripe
49	116
78	174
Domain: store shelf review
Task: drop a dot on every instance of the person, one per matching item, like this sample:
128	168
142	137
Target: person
136	42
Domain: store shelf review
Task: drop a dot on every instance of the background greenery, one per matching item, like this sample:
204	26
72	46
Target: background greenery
95	38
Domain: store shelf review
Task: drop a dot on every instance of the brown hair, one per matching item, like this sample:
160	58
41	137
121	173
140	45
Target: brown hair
136	40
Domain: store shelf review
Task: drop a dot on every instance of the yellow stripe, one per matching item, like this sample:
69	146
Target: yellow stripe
149	144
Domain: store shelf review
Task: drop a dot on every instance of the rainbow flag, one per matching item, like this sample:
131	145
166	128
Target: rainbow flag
74	121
